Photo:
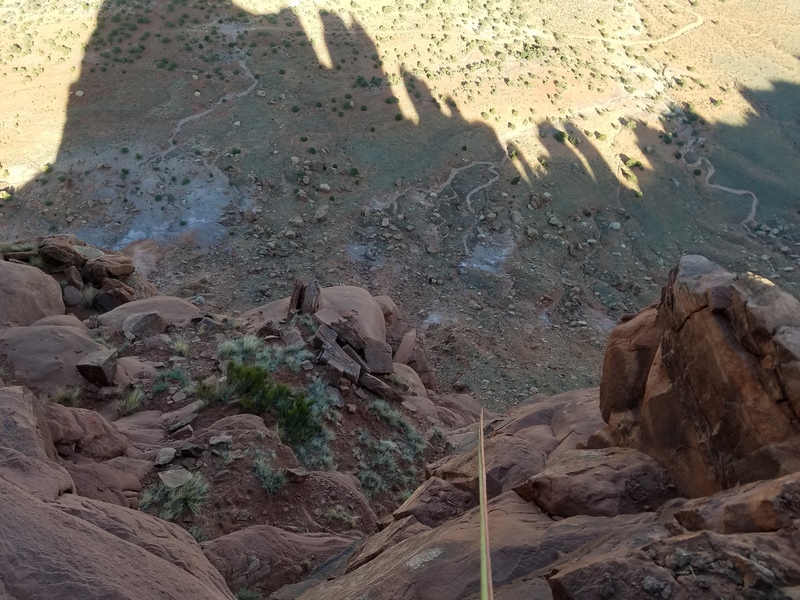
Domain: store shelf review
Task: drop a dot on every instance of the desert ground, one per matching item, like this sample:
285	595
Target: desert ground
517	175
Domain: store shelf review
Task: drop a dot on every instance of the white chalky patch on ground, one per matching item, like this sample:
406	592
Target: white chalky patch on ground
423	557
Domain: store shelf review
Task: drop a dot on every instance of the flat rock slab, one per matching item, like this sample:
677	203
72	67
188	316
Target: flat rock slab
220	440
379	356
175	478
144	324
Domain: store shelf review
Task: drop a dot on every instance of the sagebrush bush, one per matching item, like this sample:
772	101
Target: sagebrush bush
190	496
130	403
68	396
271	479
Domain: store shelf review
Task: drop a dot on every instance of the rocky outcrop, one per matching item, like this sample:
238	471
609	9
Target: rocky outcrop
87	277
607	482
59	545
719	404
444	563
26	447
74	548
510	460
270	556
83	431
344	301
757	507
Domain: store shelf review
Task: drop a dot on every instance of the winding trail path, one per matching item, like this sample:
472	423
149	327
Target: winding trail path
751	216
194	117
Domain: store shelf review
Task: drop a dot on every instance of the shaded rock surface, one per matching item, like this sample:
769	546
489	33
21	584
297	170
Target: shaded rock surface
46	357
83	431
719	405
174	311
443	563
606	482
270	556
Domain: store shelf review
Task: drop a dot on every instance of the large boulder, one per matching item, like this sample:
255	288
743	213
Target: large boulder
79	548
85	432
175	311
45	358
555	424
721	402
629	355
458	410
59	251
270	557
26	295
762	506
605	482
107	265
510	461
435	502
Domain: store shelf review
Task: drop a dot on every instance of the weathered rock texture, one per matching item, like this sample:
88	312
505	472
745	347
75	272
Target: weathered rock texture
58	545
270	556
710	384
26	295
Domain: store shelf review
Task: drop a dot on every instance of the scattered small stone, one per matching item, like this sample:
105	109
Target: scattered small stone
164	456
615	226
184	432
244	515
79	93
321	214
220	440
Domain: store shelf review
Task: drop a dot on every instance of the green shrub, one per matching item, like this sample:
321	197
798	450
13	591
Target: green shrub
248	594
130	403
68	396
240	350
213	390
271	480
173	375
340	514
190	496
381	469
297	422
180	346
